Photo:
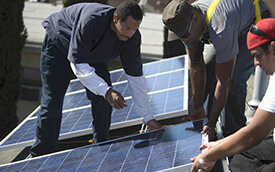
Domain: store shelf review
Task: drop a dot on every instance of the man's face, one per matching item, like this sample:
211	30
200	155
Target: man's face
126	29
194	29
266	61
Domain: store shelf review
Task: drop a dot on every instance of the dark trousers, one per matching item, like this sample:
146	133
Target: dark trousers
258	159
56	74
101	108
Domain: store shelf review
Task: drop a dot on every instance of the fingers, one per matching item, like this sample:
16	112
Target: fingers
194	158
186	118
198	113
203	146
154	125
201	165
191	116
206	165
115	99
208	130
119	102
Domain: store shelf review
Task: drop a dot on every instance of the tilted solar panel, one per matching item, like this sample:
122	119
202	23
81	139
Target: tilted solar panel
167	83
151	151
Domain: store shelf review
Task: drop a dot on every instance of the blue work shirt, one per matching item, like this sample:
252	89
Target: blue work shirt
83	31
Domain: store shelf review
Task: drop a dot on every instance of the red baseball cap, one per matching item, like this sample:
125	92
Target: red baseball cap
267	26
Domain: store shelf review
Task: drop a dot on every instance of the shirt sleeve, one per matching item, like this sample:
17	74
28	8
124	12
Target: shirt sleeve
87	76
225	38
138	89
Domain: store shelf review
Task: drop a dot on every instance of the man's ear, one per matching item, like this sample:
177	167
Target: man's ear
272	44
115	18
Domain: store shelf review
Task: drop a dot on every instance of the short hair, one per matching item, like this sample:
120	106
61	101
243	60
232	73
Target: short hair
266	45
128	8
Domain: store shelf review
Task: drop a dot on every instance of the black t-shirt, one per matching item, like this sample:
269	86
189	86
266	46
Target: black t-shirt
83	31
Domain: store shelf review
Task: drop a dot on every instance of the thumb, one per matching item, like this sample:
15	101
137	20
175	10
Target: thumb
194	158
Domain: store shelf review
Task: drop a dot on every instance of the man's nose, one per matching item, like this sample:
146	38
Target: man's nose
256	62
130	33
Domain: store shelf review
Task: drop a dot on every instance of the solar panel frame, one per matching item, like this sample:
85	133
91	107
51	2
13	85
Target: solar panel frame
151	151
118	77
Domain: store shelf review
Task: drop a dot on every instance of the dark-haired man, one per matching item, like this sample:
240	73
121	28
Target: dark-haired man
254	138
224	24
82	39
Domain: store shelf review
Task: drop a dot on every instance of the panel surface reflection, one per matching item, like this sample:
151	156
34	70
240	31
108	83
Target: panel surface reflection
151	151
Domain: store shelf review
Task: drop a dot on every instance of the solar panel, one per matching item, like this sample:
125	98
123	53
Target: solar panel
167	83
150	151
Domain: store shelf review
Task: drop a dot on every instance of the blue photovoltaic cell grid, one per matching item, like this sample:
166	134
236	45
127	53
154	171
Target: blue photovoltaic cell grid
74	86
82	119
154	83
152	68
165	83
151	151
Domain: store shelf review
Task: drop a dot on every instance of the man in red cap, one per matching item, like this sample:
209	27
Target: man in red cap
255	138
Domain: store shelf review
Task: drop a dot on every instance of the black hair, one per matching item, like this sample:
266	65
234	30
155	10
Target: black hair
265	46
128	8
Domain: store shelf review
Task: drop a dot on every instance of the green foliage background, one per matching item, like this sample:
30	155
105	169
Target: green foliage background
12	38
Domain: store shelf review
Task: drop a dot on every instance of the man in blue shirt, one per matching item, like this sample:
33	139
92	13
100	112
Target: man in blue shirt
82	39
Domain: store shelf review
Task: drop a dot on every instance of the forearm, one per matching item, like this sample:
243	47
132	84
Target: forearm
236	143
244	139
223	75
219	100
198	77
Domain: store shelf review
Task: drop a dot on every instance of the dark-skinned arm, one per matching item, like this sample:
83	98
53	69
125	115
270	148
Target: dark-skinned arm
223	74
198	78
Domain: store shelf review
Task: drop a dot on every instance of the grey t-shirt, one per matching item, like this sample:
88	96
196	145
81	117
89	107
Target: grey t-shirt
83	32
228	21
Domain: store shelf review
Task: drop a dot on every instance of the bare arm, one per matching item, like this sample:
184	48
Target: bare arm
198	78
223	74
262	123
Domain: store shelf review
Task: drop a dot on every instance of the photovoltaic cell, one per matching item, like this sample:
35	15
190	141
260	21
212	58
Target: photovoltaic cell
167	89
151	151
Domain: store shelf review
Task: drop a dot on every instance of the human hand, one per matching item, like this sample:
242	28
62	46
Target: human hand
153	125
195	114
200	165
208	145
209	131
115	99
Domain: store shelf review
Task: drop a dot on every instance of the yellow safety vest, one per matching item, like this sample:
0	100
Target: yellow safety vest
214	4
